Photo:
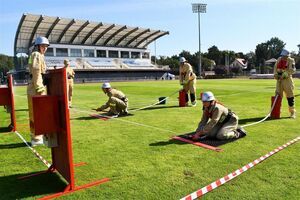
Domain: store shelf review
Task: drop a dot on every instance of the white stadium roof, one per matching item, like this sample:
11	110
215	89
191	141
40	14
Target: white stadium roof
80	32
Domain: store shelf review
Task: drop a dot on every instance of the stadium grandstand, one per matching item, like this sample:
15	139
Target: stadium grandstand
96	50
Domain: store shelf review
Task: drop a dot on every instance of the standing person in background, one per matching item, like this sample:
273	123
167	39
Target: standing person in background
36	84
187	79
283	70
70	76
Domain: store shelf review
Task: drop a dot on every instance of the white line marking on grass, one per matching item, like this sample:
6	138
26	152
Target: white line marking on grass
126	121
234	174
151	105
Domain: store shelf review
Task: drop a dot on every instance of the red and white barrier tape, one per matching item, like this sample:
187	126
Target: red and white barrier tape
234	174
34	151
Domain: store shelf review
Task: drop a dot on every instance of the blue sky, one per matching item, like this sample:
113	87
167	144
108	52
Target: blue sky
237	25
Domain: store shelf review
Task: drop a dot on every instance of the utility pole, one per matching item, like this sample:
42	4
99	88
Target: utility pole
199	8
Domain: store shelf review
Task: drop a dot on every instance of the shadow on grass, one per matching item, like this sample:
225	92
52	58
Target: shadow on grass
256	119
5	129
270	87
188	136
96	118
22	110
155	108
297	95
164	143
44	184
12	146
84	118
171	141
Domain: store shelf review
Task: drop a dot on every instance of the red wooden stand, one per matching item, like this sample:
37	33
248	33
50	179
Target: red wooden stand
51	116
7	99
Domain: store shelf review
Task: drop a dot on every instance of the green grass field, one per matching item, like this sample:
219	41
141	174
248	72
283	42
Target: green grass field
136	154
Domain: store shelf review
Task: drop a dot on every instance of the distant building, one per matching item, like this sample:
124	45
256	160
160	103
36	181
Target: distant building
239	62
271	62
91	47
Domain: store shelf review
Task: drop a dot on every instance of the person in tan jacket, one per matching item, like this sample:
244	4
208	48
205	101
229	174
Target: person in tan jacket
283	70
117	101
187	79
37	70
217	121
70	83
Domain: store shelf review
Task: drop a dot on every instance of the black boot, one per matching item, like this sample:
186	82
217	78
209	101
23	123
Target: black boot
241	132
193	99
186	99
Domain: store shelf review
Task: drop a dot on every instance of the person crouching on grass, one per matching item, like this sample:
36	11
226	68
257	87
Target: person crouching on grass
217	121
117	101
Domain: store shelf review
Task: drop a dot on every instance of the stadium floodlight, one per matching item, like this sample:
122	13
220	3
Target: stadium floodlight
199	8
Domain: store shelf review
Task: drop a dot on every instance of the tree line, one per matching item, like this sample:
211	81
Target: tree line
213	59
6	64
256	60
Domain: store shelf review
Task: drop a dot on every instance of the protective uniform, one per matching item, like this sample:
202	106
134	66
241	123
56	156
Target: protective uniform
70	76
117	102
37	68
187	79
283	70
218	122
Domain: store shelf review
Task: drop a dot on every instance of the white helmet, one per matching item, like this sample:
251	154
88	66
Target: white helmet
106	85
208	96
41	40
66	62
182	59
284	52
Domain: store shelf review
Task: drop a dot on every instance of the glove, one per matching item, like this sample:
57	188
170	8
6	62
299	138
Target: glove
196	136
40	90
285	75
185	82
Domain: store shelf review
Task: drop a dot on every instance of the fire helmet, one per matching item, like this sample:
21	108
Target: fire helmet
106	85
284	52
208	96
182	59
66	62
41	40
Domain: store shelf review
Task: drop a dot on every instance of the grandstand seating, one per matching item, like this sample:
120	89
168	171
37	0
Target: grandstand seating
88	63
138	64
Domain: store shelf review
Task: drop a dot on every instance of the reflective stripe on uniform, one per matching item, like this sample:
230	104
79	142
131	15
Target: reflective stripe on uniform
112	104
30	60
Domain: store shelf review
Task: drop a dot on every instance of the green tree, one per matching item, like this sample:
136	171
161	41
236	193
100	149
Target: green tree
6	63
267	50
250	57
215	55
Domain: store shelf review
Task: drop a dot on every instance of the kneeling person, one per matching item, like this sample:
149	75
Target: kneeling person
217	121
117	101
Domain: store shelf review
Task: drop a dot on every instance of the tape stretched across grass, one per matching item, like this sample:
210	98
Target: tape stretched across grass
234	174
199	144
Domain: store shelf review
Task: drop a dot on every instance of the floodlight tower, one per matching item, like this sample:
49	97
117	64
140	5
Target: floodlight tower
199	8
